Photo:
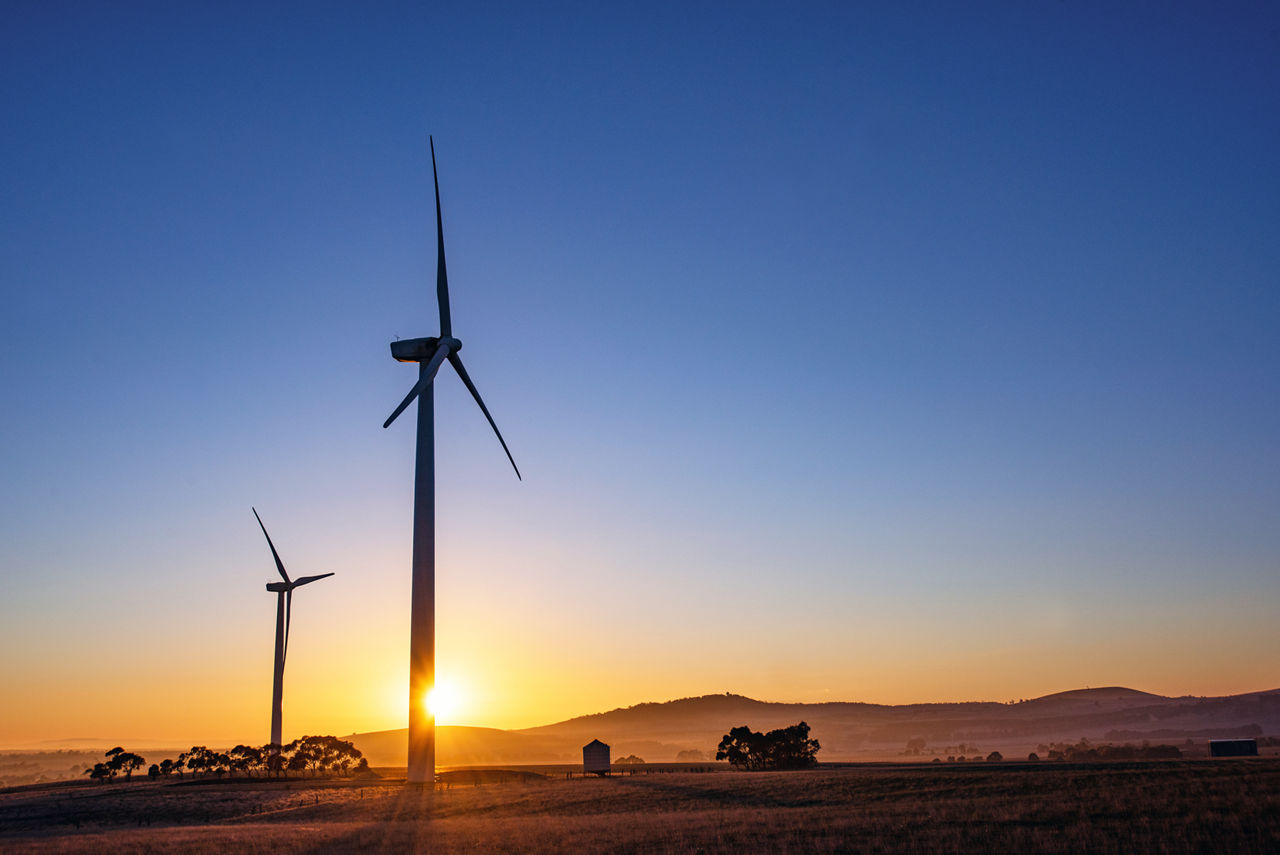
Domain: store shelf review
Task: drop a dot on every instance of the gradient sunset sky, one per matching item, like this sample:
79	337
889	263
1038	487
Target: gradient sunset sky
882	352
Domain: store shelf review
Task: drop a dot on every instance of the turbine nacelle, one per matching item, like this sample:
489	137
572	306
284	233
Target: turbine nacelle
422	349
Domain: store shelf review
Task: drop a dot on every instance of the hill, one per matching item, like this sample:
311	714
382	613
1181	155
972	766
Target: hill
858	731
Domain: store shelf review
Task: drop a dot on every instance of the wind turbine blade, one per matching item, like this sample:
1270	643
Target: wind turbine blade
456	362
306	580
288	613
274	554
442	277
424	380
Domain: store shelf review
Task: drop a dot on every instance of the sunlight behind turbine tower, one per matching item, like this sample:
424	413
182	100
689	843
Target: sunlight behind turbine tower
430	353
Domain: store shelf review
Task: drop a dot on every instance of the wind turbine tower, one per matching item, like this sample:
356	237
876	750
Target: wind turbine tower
284	611
430	353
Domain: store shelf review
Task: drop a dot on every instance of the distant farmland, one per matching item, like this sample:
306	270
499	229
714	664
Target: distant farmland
1166	807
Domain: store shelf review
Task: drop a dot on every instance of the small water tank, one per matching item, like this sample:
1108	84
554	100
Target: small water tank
595	757
1233	748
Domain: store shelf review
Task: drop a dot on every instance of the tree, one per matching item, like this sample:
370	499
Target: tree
200	759
994	756
118	760
785	748
100	772
308	753
220	762
742	747
273	758
915	745
690	754
127	761
346	755
327	753
154	771
244	758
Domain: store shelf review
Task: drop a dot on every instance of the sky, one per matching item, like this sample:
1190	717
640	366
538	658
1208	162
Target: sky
885	352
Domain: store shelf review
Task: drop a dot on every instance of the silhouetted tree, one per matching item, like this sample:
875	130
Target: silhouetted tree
127	761
200	759
244	758
118	760
994	756
742	747
273	758
785	748
154	771
100	772
345	756
326	753
305	754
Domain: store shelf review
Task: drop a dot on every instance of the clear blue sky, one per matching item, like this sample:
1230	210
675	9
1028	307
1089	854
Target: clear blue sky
893	353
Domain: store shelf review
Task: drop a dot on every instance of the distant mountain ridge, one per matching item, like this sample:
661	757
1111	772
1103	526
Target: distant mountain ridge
850	730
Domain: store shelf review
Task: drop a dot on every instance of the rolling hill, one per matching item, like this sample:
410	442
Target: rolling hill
852	731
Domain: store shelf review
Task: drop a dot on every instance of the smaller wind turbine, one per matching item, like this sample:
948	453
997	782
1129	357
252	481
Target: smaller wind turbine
284	610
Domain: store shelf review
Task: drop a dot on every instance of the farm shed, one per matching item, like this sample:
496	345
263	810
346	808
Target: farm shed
595	757
1233	748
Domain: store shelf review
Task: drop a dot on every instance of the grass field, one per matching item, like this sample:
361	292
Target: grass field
1170	807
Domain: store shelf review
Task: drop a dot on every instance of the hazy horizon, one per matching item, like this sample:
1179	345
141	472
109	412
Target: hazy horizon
140	742
903	354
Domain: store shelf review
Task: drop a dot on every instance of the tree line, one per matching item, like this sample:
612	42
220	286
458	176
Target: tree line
1084	751
318	755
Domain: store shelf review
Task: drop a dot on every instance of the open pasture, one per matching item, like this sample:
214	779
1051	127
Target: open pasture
1170	807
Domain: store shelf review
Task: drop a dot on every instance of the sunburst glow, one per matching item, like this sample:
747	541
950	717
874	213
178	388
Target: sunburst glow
445	701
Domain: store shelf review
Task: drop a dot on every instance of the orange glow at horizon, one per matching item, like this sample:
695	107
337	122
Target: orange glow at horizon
515	664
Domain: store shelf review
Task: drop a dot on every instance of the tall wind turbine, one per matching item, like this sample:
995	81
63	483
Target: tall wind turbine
430	354
284	610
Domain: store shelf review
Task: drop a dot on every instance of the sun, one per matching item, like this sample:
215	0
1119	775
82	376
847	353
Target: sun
445	701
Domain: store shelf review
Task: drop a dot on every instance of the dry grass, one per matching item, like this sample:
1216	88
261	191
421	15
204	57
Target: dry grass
1132	808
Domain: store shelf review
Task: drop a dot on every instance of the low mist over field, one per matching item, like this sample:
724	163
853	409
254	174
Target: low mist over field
689	729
